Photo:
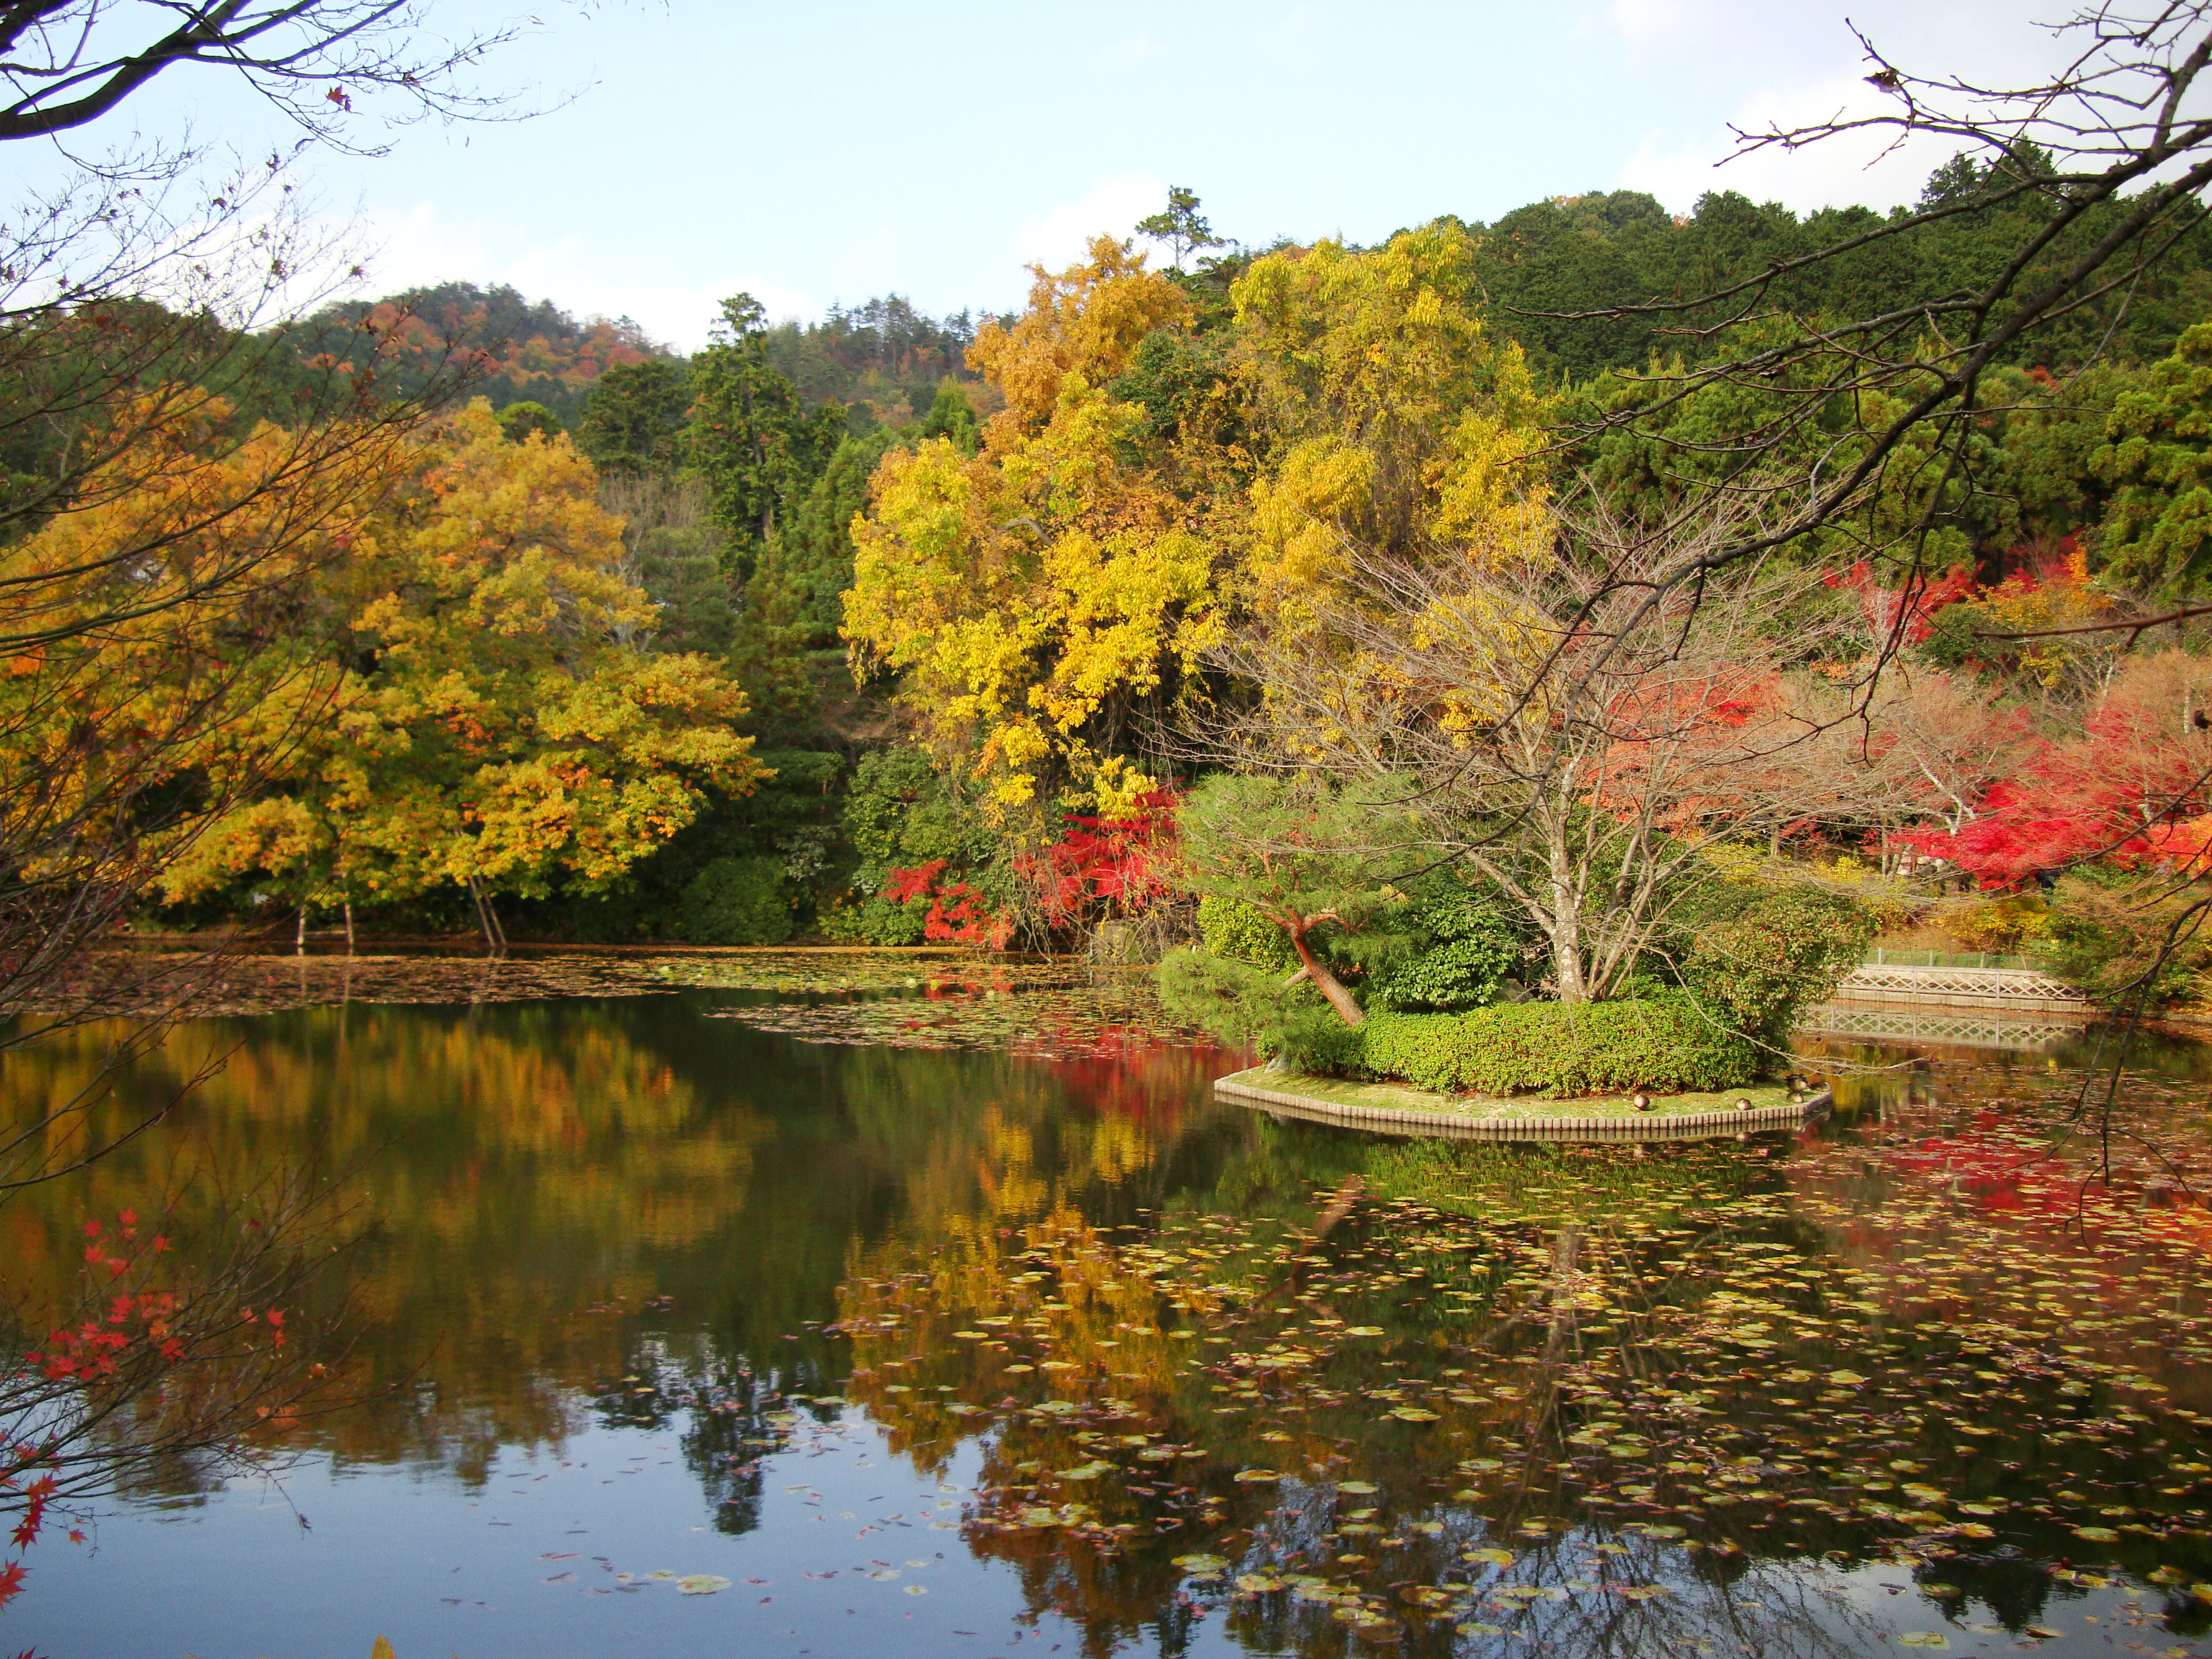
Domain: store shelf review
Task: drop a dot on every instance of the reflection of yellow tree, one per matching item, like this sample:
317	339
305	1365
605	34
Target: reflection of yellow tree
576	1159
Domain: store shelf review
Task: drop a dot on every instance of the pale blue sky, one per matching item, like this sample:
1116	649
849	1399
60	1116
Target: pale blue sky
824	152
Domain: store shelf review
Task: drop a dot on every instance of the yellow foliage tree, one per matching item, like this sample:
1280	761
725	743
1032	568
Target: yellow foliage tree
484	714
166	668
1034	597
1397	421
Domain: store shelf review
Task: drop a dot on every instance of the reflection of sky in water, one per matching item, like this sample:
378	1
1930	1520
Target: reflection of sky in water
401	1551
547	1173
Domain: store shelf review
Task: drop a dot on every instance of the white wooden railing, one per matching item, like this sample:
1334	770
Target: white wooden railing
1959	988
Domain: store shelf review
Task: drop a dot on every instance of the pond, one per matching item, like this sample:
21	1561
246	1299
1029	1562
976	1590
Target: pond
700	1307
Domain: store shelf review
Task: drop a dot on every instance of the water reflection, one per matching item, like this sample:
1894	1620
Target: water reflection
1206	1381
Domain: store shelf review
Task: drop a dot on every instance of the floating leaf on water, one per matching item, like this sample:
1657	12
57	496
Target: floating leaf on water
1252	1476
702	1583
1413	1414
1845	1379
916	1590
1359	1488
1924	1638
1201	1563
1258	1584
1363	1330
1496	1558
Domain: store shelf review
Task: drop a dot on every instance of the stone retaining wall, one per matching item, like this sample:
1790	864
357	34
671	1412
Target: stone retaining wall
1685	1126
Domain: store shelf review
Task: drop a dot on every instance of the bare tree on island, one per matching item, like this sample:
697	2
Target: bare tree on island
1590	800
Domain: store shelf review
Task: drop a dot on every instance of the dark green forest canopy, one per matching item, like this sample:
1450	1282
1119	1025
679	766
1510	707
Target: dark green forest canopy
1583	253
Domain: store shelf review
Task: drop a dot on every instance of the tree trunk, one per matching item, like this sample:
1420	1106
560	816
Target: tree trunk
349	916
1565	925
1325	982
299	935
484	917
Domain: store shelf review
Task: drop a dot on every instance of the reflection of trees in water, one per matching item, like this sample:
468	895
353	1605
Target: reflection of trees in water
510	1167
1597	1286
730	1418
546	1189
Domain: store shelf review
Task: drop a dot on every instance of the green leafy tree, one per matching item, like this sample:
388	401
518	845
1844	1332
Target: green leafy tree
633	419
2130	939
951	416
1180	226
1308	857
2158	461
750	439
520	421
814	548
1787	949
673	551
902	814
737	902
1460	949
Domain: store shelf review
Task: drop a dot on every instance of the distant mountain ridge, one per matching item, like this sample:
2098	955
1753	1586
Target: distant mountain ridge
884	355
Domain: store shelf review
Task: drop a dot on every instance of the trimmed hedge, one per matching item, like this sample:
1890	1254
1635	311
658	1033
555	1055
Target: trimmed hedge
1666	1042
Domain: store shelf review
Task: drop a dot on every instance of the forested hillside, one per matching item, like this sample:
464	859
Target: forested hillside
979	601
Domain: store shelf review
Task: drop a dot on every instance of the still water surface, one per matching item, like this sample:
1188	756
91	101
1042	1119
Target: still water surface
1033	1346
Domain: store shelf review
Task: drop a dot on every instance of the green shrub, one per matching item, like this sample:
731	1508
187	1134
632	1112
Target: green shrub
1669	1042
1236	932
1465	950
737	902
1789	948
878	919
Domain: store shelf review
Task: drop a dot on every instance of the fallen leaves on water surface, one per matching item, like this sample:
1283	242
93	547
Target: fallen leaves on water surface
1659	1378
1056	1008
204	985
1650	1377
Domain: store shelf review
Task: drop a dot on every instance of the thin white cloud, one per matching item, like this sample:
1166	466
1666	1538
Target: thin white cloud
1854	169
1813	69
420	246
1111	207
1127	54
